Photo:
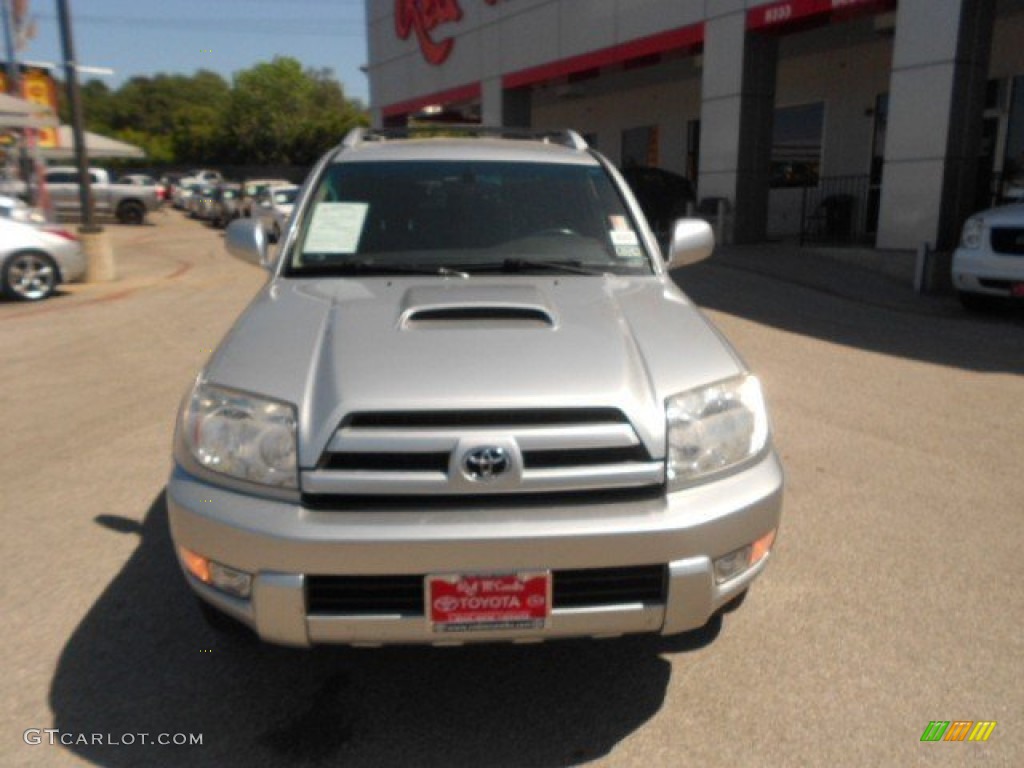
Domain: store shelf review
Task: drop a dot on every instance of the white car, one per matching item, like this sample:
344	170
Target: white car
274	208
35	260
990	260
18	210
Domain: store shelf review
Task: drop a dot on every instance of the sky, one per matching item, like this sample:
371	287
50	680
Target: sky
143	37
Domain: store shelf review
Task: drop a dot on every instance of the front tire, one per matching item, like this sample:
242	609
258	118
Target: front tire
28	276
131	212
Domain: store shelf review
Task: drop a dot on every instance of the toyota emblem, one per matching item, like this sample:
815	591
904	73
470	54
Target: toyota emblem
486	463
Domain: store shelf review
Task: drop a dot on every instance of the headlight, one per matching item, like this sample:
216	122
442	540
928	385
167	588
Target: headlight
971	236
243	436
714	428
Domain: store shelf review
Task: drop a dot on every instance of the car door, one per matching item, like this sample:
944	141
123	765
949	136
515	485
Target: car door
63	189
101	195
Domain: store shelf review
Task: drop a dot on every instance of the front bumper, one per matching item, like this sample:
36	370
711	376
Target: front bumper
281	543
72	264
982	271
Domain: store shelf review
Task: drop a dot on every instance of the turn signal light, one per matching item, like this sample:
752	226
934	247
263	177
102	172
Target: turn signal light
195	564
762	547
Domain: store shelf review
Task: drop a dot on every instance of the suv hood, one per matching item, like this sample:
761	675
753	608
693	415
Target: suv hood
338	346
1005	215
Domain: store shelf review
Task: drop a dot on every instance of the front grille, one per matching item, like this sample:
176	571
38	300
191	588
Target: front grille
995	285
584	457
550	450
386	462
438	462
608	586
360	595
1008	240
341	502
502	418
403	595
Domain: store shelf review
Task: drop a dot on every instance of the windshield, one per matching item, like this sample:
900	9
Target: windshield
468	216
285	196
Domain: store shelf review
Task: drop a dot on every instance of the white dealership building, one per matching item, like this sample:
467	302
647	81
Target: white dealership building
876	121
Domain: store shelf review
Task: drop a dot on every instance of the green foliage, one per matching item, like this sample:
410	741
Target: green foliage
273	113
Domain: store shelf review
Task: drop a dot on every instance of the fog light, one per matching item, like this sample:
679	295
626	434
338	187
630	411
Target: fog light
230	580
732	564
195	564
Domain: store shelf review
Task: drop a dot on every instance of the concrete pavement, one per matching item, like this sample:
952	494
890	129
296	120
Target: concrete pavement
893	599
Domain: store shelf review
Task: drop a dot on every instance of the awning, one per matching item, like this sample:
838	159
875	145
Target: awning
19	113
95	144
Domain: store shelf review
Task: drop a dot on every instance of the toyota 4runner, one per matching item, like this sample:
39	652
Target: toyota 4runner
471	405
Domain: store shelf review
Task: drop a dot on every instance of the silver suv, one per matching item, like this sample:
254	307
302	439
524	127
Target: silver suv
471	405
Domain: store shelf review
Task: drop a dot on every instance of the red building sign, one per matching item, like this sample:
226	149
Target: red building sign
424	17
790	12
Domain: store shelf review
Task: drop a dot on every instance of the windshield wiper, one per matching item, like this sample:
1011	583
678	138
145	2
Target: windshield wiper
572	266
370	268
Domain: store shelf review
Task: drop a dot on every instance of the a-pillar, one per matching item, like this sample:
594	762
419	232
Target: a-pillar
936	106
501	107
737	111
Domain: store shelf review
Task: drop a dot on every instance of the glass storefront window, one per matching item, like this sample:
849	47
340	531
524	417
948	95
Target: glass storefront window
1013	164
796	145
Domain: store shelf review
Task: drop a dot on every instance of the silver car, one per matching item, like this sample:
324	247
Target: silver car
471	405
273	208
34	260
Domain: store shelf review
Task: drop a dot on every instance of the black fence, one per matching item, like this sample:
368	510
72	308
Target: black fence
1000	189
840	210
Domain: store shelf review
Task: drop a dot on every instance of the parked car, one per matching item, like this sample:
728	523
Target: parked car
204	176
129	203
205	204
143	180
989	264
18	210
273	207
200	200
662	195
183	192
254	188
34	260
471	405
228	204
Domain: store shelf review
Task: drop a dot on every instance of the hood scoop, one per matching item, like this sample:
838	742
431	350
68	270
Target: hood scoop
476	307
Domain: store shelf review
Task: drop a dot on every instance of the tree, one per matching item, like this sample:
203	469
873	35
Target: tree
280	114
272	113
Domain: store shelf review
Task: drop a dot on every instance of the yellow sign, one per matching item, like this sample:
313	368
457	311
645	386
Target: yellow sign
37	86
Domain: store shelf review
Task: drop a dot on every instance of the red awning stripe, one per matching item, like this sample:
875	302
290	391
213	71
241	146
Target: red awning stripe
684	38
461	93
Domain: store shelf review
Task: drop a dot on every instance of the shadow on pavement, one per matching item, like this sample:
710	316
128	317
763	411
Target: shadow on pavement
143	661
991	342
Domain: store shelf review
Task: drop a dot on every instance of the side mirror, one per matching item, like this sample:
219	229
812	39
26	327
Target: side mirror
246	240
692	240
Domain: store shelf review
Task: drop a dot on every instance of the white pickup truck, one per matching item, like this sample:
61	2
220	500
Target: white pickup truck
129	203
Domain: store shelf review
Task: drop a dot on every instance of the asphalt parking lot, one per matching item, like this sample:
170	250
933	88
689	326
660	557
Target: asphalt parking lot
894	598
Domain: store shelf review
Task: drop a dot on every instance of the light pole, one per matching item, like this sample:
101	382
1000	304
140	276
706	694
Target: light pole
12	65
100	267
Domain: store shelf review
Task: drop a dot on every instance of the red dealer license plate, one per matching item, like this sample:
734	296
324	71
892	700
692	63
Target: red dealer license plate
470	602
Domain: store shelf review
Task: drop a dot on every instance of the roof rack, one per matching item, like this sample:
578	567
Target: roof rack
565	138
